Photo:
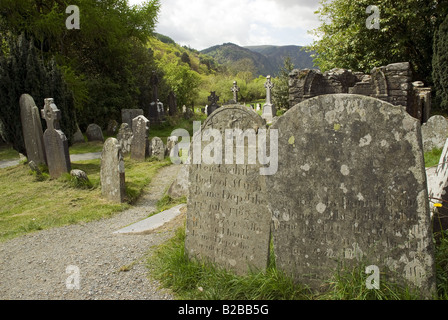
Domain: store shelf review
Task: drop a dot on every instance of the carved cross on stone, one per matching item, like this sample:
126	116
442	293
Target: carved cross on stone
268	85
51	114
235	89
213	98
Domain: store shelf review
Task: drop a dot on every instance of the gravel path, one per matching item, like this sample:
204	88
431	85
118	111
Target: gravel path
35	266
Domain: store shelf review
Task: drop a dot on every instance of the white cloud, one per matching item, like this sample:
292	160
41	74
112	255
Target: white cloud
202	23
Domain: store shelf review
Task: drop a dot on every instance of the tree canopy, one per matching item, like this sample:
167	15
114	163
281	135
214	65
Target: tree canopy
405	33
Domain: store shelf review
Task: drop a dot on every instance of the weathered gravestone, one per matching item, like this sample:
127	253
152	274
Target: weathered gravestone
56	143
32	130
125	137
78	137
157	148
434	133
269	110
94	133
351	189
228	222
127	115
213	99
438	192
140	142
112	171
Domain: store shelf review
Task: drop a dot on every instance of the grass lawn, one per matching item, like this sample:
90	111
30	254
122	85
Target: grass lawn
28	204
194	280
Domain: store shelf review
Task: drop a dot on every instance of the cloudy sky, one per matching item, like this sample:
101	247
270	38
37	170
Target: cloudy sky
203	23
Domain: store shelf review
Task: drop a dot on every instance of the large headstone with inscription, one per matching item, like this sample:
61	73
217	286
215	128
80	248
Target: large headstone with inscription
228	222
351	191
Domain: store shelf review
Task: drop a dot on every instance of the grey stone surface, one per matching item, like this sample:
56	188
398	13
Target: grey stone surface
78	137
179	187
112	173
154	222
125	136
391	83
434	133
32	130
79	174
94	133
157	148
127	115
140	142
171	142
227	221
351	189
56	143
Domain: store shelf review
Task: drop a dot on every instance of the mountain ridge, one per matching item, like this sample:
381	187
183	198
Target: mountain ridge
260	60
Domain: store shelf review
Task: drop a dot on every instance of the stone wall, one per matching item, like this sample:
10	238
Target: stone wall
391	83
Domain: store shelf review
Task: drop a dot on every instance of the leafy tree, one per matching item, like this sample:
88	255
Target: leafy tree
440	65
405	34
21	71
100	60
280	92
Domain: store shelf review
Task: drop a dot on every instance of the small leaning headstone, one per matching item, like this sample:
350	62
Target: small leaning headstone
32	130
94	133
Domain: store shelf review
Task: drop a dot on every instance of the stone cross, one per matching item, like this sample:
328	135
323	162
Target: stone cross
213	98
268	85
56	143
51	114
235	89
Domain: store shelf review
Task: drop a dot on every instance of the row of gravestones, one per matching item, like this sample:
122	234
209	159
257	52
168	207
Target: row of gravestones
350	189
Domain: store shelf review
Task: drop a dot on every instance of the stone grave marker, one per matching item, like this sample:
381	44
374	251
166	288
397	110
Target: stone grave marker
125	136
112	171
157	148
227	222
235	89
351	189
140	142
434	133
438	192
32	130
78	137
269	111
94	133
56	143
213	99
127	115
